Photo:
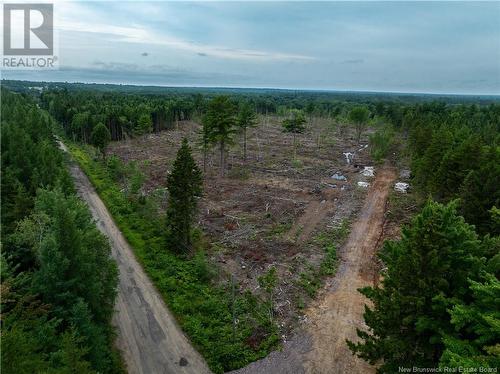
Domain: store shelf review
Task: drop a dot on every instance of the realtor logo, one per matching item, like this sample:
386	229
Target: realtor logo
28	36
35	37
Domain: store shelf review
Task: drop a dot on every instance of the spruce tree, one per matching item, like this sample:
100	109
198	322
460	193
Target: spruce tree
428	271
219	122
184	186
295	124
246	118
100	137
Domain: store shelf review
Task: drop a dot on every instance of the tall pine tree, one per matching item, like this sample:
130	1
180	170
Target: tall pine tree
184	186
429	271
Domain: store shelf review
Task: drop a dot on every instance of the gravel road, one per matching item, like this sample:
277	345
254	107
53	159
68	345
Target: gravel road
149	338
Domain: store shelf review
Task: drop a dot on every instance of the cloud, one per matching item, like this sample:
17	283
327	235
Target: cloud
139	34
354	61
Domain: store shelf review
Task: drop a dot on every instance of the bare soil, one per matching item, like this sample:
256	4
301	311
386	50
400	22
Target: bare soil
148	336
320	345
269	209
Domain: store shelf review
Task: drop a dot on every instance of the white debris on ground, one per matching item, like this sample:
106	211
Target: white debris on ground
401	187
363	147
363	184
348	157
368	171
339	177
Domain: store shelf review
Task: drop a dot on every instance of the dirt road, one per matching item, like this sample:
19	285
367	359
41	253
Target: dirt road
320	348
148	335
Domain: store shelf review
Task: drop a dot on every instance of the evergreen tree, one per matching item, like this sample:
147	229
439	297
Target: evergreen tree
480	193
144	124
295	124
184	185
475	343
428	272
359	115
219	122
246	119
100	137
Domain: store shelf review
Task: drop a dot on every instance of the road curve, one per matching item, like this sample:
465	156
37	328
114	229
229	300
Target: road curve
149	338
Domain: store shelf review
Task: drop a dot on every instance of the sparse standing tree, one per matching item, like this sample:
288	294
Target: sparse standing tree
246	118
295	124
184	186
220	121
359	115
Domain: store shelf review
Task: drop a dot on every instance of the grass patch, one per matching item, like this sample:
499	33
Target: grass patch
310	279
203	309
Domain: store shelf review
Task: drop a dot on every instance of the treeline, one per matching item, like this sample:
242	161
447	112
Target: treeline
439	301
58	280
126	115
438	304
455	153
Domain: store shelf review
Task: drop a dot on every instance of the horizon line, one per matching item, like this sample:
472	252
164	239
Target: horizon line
322	90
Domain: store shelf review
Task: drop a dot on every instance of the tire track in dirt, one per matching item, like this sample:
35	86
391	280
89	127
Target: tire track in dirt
339	311
320	347
149	338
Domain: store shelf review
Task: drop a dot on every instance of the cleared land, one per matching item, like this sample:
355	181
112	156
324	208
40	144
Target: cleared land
319	347
269	210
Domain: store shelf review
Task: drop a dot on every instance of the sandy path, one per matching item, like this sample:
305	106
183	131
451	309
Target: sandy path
320	347
148	335
334	318
305	225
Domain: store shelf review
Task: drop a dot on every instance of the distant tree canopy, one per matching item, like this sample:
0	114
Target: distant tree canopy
184	186
455	153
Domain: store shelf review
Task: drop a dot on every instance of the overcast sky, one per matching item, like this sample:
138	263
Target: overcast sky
437	47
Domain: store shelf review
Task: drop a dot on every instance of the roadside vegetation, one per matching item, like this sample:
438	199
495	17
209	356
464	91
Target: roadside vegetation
230	329
437	304
58	279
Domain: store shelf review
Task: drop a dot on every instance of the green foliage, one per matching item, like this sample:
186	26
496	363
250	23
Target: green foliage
268	282
455	154
100	137
309	281
329	264
184	184
475	341
381	143
479	192
428	272
219	125
246	118
55	258
144	125
295	123
359	116
204	311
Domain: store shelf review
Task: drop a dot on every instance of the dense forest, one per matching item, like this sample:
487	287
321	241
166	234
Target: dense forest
58	280
438	302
